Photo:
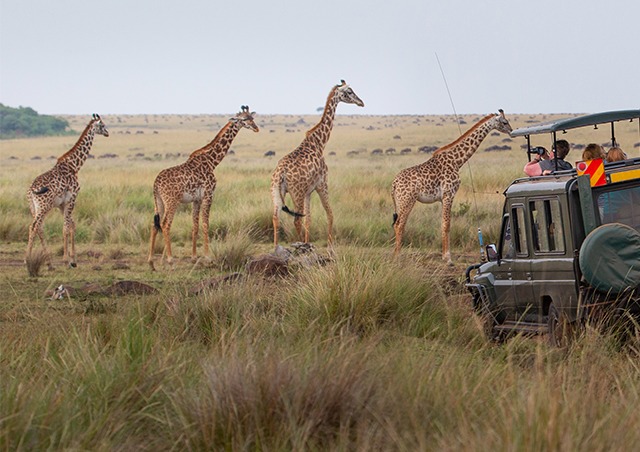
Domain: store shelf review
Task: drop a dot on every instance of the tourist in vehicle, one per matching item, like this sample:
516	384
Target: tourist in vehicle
546	164
593	151
615	154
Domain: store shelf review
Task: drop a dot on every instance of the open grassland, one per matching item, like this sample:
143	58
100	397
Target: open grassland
361	353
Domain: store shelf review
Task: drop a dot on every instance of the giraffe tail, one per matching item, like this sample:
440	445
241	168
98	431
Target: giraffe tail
291	212
41	191
156	222
395	218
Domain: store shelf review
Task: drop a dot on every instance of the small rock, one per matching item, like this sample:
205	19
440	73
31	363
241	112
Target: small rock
268	265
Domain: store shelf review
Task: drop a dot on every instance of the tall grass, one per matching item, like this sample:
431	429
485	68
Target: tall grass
348	356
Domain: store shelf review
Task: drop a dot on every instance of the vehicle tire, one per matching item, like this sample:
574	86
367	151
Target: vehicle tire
561	331
488	322
609	258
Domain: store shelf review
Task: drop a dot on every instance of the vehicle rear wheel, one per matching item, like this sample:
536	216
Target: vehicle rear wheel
561	331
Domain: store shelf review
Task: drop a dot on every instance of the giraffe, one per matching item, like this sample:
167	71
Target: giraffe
304	169
193	182
59	188
438	178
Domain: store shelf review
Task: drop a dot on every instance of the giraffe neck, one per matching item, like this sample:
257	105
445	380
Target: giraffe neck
319	134
464	147
75	157
217	149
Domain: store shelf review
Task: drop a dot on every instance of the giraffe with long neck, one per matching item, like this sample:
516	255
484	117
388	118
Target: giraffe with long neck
438	178
59	188
304	170
193	182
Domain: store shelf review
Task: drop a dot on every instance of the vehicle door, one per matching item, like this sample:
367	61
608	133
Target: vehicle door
512	276
552	264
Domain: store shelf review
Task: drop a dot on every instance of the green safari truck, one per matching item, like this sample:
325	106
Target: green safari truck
569	245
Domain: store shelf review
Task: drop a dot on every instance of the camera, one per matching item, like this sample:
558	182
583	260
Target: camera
538	150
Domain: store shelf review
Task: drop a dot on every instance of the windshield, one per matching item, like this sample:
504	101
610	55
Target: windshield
620	206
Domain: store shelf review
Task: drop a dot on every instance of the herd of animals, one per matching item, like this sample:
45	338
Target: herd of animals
299	173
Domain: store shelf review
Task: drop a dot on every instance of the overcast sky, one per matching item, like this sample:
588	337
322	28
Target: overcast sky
283	56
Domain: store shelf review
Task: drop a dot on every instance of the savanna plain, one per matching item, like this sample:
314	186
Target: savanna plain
353	351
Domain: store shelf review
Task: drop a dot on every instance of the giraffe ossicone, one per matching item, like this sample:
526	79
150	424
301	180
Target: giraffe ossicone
304	170
438	178
193	182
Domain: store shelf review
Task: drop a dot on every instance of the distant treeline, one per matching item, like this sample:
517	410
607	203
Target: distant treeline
26	122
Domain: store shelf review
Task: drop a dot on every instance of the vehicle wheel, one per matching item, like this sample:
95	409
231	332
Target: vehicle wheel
488	321
561	331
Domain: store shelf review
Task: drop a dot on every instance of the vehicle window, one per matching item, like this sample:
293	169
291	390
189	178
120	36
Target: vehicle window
546	225
518	230
620	206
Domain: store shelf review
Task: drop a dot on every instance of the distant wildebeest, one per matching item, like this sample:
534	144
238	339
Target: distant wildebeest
270	153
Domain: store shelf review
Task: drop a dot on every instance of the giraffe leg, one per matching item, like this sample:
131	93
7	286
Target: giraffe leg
276	198
323	192
152	245
307	217
194	229
298	204
447	202
166	231
403	215
72	243
68	232
35	229
155	226
32	235
276	225
206	211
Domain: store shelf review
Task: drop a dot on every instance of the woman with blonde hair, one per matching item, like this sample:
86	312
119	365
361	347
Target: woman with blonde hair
616	154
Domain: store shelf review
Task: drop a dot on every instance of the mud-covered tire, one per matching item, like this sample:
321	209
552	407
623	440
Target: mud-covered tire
488	322
609	258
561	331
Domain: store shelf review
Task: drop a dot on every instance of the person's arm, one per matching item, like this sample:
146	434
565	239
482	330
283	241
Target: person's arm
533	168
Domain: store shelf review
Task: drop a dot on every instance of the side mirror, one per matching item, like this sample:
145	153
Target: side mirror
492	253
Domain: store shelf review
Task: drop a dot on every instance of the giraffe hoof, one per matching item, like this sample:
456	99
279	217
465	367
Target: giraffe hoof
72	265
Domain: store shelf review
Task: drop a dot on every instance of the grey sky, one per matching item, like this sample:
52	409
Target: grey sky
283	56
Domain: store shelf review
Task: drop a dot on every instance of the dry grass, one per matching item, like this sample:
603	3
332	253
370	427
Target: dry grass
363	353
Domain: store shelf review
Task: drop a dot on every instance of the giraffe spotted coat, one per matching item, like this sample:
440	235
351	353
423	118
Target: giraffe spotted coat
59	188
438	178
304	170
193	182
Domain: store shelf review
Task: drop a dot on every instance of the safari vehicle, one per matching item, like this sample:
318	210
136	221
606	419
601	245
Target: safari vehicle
569	245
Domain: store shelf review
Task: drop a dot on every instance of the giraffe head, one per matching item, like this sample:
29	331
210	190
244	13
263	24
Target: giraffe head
346	94
245	118
98	126
501	124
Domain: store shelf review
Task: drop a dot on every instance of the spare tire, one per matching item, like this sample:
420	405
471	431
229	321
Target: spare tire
610	258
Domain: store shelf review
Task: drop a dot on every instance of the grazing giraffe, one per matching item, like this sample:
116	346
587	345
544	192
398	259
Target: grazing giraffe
438	178
193	182
304	170
59	187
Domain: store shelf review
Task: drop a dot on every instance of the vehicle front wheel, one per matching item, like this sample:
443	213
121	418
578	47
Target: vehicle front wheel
488	322
561	331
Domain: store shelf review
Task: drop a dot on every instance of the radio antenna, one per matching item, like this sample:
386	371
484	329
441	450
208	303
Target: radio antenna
473	188
455	113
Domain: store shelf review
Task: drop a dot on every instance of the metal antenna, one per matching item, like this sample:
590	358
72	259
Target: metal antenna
473	188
